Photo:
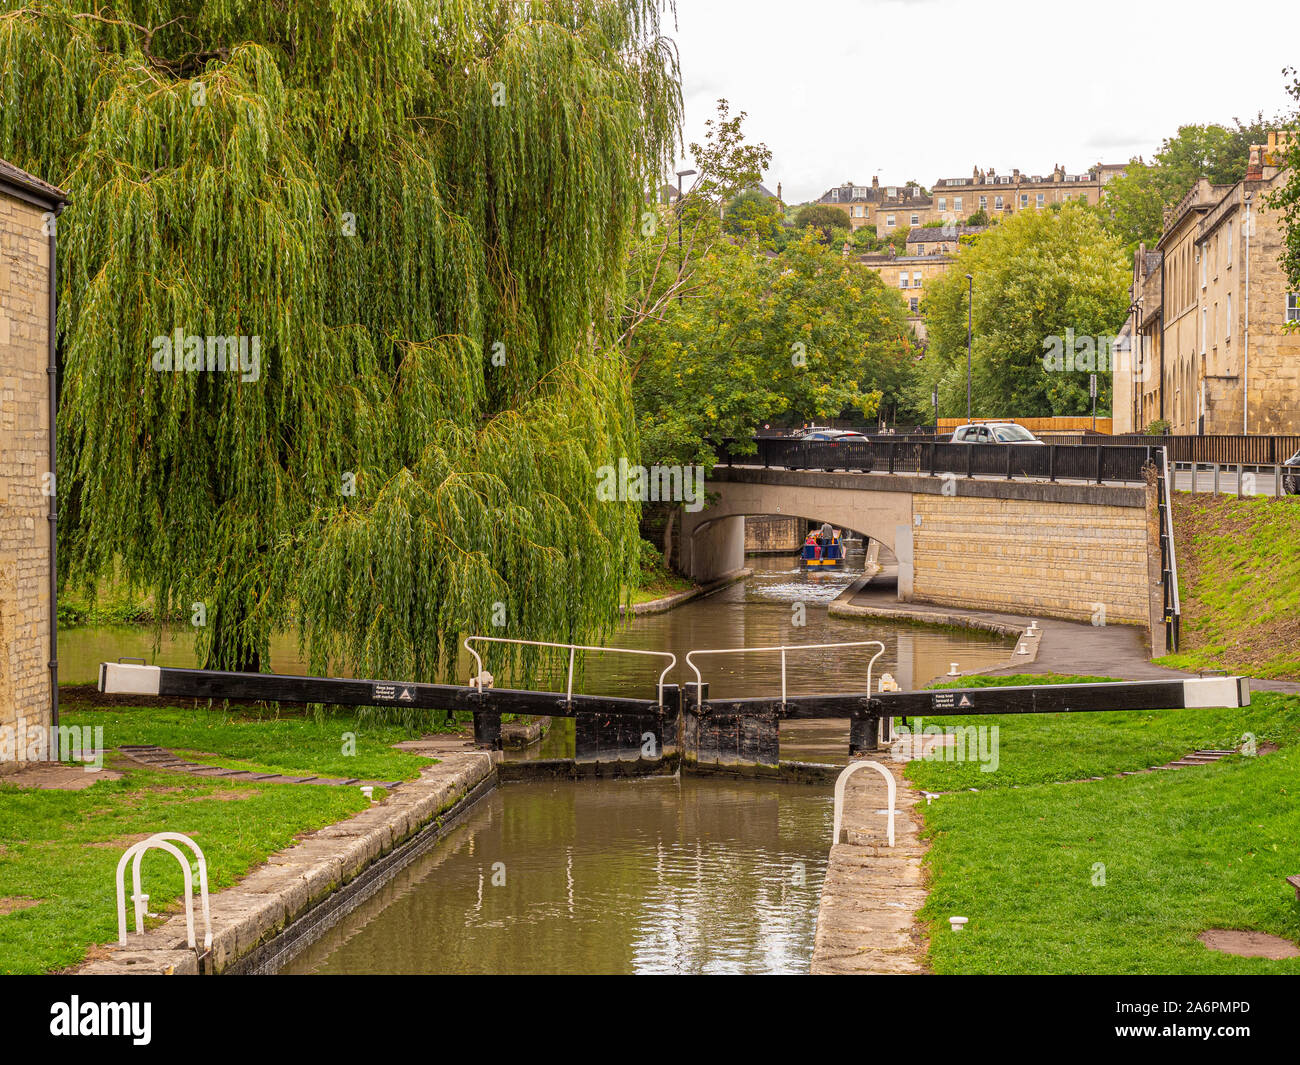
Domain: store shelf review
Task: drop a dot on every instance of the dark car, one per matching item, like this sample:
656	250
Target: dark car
1291	475
819	447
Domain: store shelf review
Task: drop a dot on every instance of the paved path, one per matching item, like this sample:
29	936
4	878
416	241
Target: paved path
1069	647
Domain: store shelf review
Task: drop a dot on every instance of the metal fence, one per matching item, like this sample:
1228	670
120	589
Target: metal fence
1050	462
1220	450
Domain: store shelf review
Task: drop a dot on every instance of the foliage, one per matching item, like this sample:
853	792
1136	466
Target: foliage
979	218
751	214
831	223
807	333
1135	201
1037	276
1159	427
1286	199
426	236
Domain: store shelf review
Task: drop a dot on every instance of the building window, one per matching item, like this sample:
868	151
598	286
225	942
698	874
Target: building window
1203	266
1227	328
984	203
997	203
1205	326
835	195
902	279
916	279
1024	199
914	305
1041	200
859	192
889	222
956	203
1227	252
1293	306
916	219
943	203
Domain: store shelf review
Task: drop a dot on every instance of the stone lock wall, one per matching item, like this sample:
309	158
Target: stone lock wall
1028	555
24	460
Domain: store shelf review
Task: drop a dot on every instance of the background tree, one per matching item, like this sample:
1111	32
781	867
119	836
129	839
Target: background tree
1135	201
1287	198
1037	275
831	223
427	247
751	214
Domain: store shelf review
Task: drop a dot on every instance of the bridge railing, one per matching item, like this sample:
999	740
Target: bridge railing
1098	463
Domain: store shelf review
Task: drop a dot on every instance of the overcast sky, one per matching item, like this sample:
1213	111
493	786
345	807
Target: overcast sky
923	89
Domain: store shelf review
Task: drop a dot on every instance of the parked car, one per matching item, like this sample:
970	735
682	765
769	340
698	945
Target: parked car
818	433
993	433
1291	475
823	440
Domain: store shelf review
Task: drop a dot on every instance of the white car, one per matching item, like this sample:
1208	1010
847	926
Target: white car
993	433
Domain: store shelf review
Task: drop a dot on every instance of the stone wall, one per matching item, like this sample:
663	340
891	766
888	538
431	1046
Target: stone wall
24	460
774	533
1027	556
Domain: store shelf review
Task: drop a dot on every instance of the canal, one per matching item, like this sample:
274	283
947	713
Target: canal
657	875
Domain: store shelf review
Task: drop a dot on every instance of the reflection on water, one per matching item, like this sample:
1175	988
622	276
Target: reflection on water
763	611
646	876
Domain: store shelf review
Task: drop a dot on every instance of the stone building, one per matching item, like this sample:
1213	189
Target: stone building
910	274
888	207
28	692
1223	351
1000	195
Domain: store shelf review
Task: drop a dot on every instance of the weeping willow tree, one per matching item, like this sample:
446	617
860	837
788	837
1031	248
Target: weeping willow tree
411	219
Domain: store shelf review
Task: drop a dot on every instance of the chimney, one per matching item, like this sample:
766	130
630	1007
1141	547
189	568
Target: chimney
778	194
875	181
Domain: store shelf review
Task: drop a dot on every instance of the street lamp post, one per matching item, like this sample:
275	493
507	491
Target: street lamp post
680	174
970	312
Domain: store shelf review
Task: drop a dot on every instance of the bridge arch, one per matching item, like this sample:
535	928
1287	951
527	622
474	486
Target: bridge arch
713	539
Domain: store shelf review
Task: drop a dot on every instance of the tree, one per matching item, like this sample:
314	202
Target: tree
425	248
1286	199
979	218
808	333
832	223
1044	282
1135	201
751	214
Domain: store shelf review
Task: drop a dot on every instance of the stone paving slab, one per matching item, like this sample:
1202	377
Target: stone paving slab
866	923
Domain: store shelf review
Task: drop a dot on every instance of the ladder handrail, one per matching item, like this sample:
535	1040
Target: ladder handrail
841	783
783	648
572	648
137	851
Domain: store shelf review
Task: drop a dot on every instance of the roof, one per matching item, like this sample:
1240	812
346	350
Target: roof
940	234
42	191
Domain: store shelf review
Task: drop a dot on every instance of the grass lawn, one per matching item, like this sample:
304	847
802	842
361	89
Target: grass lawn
1183	850
61	848
662	586
1239	582
291	743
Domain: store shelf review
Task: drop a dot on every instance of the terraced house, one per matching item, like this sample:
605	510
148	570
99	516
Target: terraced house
1220	323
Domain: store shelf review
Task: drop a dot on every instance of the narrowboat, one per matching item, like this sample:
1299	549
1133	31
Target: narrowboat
822	548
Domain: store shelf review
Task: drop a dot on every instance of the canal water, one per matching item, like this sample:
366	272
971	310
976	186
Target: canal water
657	875
625	876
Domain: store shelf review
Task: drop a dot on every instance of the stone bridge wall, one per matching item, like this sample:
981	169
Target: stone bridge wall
1077	551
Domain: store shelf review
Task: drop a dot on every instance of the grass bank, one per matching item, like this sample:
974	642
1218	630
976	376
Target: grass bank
1118	875
59	849
1239	581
